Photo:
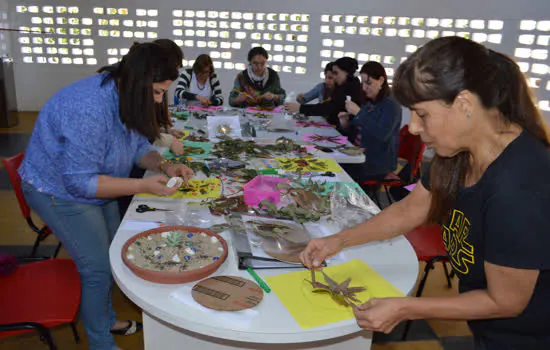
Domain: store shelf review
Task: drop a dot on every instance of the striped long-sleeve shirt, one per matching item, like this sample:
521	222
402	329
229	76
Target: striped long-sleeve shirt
184	83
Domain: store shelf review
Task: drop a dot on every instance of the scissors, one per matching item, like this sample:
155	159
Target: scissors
328	173
143	208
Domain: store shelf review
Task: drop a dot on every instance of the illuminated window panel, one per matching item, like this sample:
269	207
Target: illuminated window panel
114	33
235	25
541	69
61	20
213	14
528	25
522	53
390	72
87	21
390	20
53	60
544	105
99	10
237	46
190	13
524	66
212	24
350	19
377	31
27	59
338	43
236	15
325	29
61	9
477	24
66	60
363	57
527	39
411	48
278	58
212	44
213	34
272	26
289	48
339	29
36	20
24	40
301	49
534	82
404	33
201	33
548	86
448	33
224	34
141	24
362	19
338	54
464	35
495	38
177	32
364	31
324	18
61	31
88	42
188	43
111	60
417	22
351	30
215	54
350	54
391	32
255	36
63	41
37	41
176	22
152	35
326	53
495	25
543	26
74	21
152	13
479	37
201	44
141	12
103	22
287	69
461	23
177	13
228	65
389	60
189	32
37	50
26	49
242	35
301	59
543	40
446	23
327	42
376	20
226	55
432	34
217	65
114	22
48	20
240	66
432	22
124	51
50	41
91	61
539	54
140	35
152	24
63	51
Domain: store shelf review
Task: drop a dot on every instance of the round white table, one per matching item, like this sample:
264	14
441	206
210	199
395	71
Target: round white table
170	325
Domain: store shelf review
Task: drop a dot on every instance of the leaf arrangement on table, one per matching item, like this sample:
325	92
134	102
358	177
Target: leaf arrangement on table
198	189
314	124
196	138
235	149
342	140
308	164
190	150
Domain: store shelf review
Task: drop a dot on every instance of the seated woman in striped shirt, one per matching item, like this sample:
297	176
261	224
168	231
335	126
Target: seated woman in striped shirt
375	126
200	86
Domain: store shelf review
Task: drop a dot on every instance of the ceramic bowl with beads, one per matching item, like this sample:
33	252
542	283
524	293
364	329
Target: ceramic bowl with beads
174	254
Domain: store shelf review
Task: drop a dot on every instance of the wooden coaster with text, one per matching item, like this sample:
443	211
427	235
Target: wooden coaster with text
227	293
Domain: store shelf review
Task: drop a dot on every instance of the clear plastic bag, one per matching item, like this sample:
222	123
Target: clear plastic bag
350	206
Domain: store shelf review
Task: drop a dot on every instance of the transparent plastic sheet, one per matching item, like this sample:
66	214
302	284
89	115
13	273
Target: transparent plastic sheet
350	206
191	214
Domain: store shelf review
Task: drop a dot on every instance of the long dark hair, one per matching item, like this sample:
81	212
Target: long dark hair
443	68
203	61
144	65
376	71
348	65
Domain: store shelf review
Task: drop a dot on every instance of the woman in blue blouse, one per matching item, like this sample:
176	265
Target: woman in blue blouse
321	91
375	126
84	144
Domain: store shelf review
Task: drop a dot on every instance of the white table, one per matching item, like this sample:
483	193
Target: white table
171	325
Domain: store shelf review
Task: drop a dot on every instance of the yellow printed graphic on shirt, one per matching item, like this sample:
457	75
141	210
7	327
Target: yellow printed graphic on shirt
455	235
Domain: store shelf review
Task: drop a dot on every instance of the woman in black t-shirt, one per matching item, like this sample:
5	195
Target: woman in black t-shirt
488	187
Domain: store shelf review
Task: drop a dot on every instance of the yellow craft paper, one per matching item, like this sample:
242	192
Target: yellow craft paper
330	165
212	189
313	309
185	134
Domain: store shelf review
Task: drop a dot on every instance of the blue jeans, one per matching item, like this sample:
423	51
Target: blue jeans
86	231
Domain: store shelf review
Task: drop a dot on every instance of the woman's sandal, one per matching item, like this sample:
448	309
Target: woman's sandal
132	328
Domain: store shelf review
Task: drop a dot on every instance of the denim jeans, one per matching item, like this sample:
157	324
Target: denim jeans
86	231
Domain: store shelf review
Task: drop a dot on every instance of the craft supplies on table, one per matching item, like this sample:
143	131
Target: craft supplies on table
313	309
199	189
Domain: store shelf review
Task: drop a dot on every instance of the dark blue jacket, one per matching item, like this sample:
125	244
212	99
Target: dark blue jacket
380	125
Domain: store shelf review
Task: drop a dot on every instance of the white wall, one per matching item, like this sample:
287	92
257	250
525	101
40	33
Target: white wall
37	82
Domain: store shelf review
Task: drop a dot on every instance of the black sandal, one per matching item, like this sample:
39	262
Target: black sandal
132	328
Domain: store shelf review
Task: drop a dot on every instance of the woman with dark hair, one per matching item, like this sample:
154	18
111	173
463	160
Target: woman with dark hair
86	139
199	85
257	85
489	188
375	126
321	91
347	84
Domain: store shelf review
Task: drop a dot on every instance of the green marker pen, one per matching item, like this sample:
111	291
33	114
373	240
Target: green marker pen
259	280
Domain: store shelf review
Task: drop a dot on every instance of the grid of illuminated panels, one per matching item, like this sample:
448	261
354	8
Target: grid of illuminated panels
56	34
61	34
283	35
337	28
113	22
532	56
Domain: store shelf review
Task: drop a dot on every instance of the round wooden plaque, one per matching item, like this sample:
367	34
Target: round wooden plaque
227	293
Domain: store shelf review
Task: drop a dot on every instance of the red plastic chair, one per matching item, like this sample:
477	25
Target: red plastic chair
12	164
427	242
411	148
38	296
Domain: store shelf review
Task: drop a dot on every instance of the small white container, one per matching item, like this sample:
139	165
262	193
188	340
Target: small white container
174	182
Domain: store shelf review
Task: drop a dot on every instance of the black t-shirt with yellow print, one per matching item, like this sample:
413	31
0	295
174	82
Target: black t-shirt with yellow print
504	219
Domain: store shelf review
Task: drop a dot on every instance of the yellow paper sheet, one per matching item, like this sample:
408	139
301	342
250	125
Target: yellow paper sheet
185	134
313	309
293	164
209	188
